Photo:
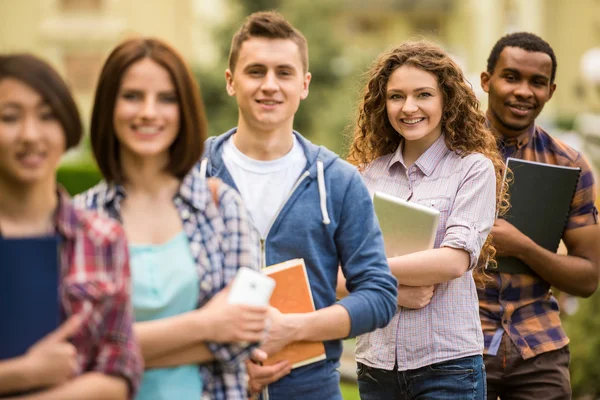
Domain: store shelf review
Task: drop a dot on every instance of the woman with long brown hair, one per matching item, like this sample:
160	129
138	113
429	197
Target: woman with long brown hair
186	241
420	136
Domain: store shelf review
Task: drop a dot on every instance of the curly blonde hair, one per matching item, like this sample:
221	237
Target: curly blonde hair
463	123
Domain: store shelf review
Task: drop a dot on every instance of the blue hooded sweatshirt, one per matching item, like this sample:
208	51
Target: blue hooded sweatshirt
328	220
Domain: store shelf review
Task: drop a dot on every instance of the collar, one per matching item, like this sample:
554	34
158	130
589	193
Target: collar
517	141
428	160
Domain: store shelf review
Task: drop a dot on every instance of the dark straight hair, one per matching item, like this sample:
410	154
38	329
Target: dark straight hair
41	77
187	147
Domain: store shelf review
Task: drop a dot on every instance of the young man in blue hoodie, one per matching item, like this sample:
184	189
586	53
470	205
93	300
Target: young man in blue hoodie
305	202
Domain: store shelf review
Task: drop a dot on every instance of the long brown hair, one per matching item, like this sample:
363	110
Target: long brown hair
187	147
463	123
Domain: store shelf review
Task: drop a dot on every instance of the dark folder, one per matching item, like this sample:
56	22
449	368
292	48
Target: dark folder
29	299
540	202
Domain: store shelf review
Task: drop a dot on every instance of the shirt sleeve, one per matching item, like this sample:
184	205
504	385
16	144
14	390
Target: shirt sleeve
117	351
583	208
473	212
226	379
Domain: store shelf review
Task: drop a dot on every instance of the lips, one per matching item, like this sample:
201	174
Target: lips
268	102
31	159
520	109
146	130
412	121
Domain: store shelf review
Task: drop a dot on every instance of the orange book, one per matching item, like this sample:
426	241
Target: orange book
292	295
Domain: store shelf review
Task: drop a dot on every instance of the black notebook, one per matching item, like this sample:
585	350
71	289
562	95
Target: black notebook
29	297
540	202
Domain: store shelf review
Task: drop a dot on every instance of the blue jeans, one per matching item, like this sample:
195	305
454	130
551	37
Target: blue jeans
463	379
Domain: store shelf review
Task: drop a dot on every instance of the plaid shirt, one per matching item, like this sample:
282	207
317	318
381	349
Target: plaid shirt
463	190
95	283
523	305
221	241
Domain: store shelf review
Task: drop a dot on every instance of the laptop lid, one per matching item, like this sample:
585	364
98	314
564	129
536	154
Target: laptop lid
407	227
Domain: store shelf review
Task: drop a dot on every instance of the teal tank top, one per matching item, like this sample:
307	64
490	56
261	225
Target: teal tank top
165	283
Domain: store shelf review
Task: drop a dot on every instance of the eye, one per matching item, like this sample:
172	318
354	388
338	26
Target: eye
47	115
510	78
9	118
131	96
254	72
425	94
395	96
169	98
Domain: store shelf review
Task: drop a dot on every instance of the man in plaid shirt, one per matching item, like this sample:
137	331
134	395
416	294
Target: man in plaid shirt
526	349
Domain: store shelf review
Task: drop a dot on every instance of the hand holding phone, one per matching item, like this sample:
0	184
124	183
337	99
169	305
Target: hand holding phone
252	288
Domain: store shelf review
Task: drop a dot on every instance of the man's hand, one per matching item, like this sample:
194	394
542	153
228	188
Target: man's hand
53	360
415	297
226	323
508	240
260	376
282	331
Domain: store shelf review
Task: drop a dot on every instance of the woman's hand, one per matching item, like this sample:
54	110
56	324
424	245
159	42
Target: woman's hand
227	323
53	360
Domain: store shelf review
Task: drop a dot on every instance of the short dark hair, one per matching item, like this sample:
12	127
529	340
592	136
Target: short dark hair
41	77
270	25
187	147
523	40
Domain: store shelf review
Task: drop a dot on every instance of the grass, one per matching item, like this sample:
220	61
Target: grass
349	391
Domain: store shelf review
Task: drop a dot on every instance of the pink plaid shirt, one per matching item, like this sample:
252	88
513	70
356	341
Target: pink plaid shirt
95	283
463	189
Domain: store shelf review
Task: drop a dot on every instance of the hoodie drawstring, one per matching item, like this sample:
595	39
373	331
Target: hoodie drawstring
322	192
203	166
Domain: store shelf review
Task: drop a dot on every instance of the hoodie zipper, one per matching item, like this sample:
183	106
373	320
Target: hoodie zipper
263	246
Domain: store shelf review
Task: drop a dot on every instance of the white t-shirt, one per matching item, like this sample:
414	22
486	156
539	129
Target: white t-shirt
264	185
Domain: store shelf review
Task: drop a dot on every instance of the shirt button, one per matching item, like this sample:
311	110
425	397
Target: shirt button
185	214
505	322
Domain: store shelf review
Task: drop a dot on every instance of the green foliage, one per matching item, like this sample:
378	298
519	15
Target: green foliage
349	391
78	177
582	328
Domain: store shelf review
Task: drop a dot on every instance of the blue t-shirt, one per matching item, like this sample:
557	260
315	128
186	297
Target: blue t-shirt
165	283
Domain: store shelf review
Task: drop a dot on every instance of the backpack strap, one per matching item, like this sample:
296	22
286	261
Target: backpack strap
213	185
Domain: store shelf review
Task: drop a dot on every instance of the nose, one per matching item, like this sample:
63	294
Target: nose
523	90
148	110
31	129
269	84
410	106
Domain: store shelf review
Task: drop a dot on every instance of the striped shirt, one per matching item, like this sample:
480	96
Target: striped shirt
523	305
95	284
463	189
221	241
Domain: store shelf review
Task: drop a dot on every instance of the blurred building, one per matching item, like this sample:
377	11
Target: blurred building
75	36
469	28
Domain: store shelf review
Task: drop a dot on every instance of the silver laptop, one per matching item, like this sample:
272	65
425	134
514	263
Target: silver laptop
407	227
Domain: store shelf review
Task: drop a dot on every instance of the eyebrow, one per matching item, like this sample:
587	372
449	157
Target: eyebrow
12	104
254	65
517	72
419	89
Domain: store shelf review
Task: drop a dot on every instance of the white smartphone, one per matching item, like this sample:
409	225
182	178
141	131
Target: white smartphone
251	288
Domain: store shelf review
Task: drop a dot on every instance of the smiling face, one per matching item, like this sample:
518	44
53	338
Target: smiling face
518	89
32	140
146	115
414	105
268	83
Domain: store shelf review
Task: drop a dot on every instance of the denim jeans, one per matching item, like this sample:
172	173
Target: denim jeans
463	379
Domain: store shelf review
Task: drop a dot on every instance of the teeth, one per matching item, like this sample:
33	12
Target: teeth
147	130
412	121
268	102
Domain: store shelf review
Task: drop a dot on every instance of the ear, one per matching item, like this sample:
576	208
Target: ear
485	81
305	85
552	89
229	82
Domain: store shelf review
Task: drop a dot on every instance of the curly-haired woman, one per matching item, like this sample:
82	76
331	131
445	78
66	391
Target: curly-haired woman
420	136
